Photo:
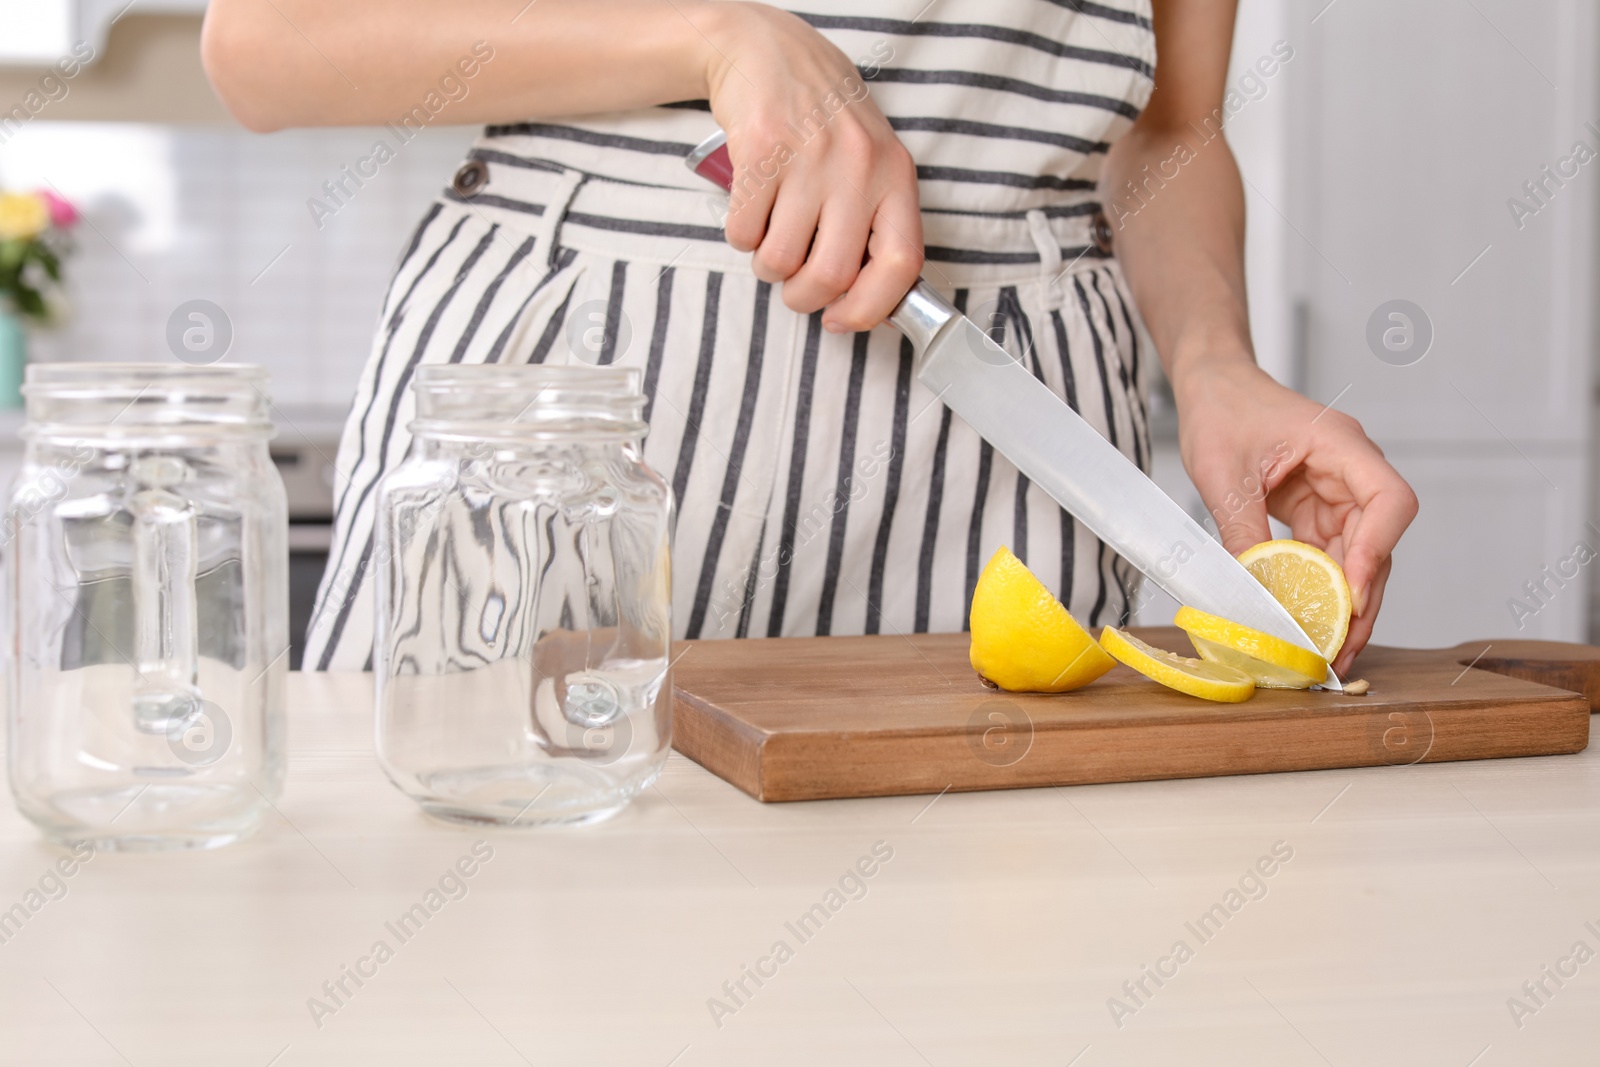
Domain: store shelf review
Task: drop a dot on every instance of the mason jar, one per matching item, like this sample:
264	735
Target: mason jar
147	581
524	597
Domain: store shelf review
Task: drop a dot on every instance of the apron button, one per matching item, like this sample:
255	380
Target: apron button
1100	233
471	178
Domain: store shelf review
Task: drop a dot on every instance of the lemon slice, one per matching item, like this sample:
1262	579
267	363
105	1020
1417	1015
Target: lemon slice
1023	640
1271	661
1307	582
1266	675
1208	681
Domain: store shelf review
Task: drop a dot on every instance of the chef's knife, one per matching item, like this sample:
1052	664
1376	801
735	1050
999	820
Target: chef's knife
1064	455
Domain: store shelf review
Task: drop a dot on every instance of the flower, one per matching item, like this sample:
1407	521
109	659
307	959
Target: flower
22	216
62	214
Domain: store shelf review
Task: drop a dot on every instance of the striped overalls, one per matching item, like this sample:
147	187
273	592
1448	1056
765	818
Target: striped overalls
820	488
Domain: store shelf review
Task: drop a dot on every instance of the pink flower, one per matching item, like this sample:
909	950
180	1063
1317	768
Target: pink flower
62	214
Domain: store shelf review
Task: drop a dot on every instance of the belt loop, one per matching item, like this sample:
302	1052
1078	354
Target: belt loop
555	210
1049	259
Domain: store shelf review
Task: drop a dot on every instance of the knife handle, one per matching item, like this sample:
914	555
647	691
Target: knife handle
921	313
711	161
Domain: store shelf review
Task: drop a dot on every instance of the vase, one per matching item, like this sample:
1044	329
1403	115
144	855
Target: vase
13	357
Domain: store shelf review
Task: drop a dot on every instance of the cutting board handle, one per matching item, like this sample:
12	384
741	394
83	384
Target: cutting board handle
1575	668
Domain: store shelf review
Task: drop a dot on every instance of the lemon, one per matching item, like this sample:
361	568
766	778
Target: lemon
1307	582
1208	681
1271	661
1023	640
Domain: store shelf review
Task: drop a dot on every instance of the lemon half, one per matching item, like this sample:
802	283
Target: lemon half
1208	681
1023	640
1309	584
1271	661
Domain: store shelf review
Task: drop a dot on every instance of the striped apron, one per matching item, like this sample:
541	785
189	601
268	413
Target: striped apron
820	489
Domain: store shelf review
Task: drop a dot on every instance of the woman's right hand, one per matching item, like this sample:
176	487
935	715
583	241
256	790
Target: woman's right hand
821	182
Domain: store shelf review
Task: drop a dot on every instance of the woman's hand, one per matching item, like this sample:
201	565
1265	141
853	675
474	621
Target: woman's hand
1182	250
1255	448
820	179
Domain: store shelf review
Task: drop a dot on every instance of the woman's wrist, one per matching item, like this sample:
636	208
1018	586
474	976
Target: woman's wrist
722	26
711	26
1197	362
681	48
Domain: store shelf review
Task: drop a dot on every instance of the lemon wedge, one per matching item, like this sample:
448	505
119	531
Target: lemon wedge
1023	640
1208	681
1309	584
1271	661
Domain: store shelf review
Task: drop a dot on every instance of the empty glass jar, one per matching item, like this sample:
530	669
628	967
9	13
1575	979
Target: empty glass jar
147	587
524	597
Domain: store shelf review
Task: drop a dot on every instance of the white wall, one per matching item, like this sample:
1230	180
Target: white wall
174	213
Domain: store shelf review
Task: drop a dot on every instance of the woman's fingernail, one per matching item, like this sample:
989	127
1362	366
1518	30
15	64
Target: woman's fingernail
834	327
1359	598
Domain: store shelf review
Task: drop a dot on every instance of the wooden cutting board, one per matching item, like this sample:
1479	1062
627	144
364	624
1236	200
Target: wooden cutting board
819	717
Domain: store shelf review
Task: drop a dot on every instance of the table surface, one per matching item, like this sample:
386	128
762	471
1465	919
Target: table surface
1415	903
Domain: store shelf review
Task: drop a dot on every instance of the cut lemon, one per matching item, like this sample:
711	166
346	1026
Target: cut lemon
1208	681
1271	661
1307	582
1023	640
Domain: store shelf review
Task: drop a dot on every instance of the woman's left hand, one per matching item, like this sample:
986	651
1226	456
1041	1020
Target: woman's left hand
1255	448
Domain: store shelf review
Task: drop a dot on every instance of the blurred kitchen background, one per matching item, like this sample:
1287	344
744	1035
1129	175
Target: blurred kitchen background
1381	160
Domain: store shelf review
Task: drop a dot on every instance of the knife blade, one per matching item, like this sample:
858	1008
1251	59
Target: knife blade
1064	455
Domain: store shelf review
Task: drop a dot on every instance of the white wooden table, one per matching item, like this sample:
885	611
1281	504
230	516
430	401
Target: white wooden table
1417	902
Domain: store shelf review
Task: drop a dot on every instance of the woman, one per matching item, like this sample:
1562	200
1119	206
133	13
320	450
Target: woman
821	489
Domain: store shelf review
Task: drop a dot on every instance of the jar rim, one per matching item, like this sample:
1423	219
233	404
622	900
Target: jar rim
432	376
528	400
111	378
136	400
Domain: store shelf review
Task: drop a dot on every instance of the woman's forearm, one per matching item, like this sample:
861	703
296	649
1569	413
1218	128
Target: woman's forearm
1179	233
278	63
1176	205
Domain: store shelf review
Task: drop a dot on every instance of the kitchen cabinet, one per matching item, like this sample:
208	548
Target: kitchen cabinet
1413	129
38	32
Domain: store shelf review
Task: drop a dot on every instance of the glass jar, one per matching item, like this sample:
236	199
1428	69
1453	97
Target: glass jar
524	598
147	575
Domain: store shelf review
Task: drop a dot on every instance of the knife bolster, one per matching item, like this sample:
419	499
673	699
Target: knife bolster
920	315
